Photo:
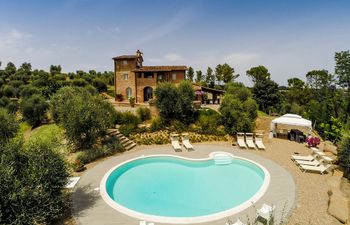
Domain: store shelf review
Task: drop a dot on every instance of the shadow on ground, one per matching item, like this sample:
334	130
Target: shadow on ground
84	198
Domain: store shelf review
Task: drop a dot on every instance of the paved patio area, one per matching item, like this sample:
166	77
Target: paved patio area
90	209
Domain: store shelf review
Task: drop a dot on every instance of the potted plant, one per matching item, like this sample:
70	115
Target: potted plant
119	97
151	102
78	166
313	141
132	101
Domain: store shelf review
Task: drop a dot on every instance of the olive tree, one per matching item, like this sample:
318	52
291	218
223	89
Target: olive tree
8	126
34	109
31	182
85	118
166	101
238	109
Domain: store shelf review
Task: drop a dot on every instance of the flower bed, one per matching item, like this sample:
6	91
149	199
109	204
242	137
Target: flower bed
163	137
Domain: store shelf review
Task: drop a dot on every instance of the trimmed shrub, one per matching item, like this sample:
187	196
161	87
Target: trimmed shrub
143	113
127	129
208	121
130	118
157	124
34	109
178	126
108	148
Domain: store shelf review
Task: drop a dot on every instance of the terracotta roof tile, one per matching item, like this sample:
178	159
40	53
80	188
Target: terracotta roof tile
159	68
125	57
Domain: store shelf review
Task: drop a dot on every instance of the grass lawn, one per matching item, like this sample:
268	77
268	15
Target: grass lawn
48	132
261	114
24	127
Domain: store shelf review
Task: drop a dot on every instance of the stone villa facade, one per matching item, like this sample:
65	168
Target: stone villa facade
132	79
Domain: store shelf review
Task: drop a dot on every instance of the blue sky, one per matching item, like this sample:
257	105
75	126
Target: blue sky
288	37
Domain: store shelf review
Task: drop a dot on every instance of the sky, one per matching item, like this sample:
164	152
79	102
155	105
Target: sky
290	38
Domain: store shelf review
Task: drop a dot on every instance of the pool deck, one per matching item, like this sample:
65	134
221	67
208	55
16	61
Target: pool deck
90	209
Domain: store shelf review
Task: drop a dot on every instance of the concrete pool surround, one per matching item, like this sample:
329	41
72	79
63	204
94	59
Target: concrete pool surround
185	220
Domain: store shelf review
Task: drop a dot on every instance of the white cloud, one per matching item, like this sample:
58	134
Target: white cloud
173	57
12	38
154	60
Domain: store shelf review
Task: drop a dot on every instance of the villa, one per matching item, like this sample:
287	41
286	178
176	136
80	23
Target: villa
132	79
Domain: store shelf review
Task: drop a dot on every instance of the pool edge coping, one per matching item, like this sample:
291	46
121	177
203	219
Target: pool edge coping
185	220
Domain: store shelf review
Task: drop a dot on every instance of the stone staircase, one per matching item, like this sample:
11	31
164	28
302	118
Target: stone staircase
126	142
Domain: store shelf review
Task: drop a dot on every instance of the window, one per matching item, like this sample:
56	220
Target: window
149	75
139	75
174	76
125	62
128	92
126	76
160	77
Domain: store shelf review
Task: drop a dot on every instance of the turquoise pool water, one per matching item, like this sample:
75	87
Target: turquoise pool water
174	187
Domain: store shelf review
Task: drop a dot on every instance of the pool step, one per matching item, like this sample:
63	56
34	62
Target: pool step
221	159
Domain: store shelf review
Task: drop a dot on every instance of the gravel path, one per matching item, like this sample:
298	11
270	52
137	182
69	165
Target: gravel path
312	197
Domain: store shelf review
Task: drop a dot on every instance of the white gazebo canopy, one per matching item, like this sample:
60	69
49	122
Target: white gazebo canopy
291	120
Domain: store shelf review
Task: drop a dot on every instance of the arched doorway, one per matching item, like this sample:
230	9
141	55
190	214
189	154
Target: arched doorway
147	94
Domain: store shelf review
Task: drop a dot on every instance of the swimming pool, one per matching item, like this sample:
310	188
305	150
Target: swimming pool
172	189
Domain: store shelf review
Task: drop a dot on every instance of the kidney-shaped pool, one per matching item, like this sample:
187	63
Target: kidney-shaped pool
171	189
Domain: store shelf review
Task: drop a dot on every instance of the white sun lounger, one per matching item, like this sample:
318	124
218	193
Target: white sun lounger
238	222
259	142
142	222
308	163
240	140
175	142
72	181
249	140
186	142
305	158
321	168
266	211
